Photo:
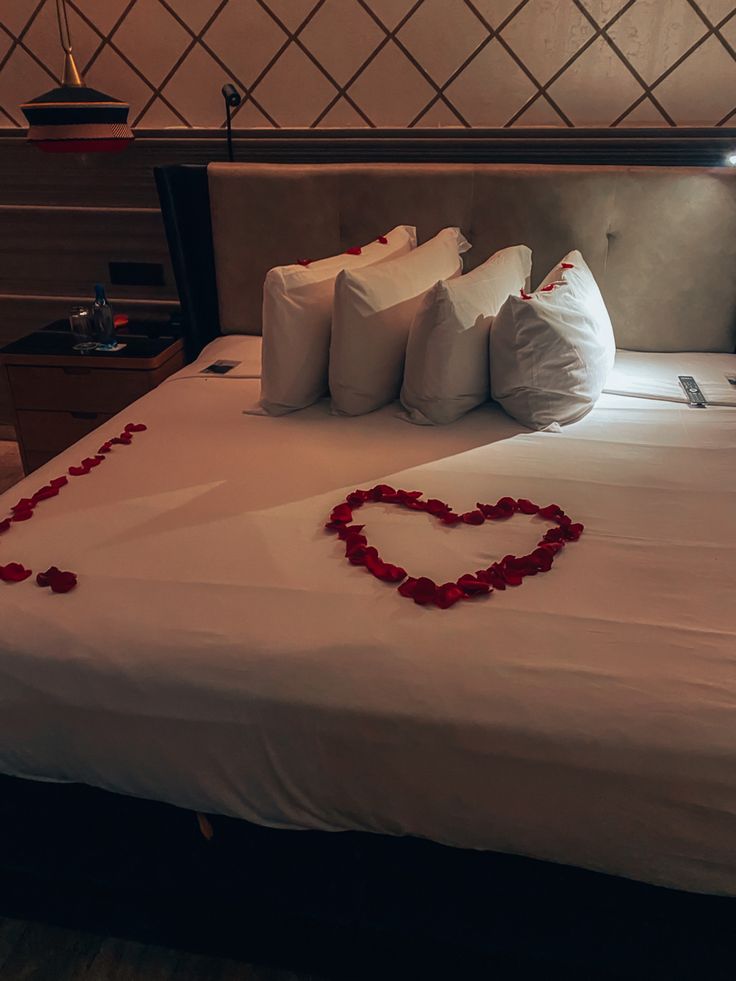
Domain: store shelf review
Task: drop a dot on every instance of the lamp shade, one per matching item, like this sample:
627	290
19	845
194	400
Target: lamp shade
77	119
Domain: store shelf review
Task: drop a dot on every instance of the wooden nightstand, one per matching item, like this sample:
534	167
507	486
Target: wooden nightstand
59	394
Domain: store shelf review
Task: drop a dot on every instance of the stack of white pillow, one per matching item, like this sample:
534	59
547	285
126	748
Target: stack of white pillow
396	320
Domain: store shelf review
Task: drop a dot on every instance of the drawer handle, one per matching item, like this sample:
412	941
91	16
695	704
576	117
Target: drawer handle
84	415
76	371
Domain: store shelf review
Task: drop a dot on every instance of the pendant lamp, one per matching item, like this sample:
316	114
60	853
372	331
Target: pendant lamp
73	118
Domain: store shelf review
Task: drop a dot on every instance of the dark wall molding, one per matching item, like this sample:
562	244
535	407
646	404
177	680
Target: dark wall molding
691	147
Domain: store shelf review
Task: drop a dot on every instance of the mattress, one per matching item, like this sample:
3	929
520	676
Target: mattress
220	654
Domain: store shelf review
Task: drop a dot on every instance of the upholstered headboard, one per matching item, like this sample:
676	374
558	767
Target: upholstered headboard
661	241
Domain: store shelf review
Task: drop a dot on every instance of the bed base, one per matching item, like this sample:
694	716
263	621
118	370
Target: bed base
345	905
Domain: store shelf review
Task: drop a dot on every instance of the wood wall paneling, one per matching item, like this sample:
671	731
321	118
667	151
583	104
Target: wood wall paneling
63	218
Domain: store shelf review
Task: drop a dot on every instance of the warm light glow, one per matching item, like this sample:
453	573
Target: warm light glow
731	159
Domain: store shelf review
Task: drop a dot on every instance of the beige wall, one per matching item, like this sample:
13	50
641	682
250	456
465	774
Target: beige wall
358	63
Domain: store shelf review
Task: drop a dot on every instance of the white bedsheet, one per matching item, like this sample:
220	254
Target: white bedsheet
220	654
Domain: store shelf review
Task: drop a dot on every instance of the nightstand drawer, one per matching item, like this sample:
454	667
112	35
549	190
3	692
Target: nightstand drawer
52	432
76	389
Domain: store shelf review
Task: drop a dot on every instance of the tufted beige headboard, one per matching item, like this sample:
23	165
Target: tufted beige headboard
661	242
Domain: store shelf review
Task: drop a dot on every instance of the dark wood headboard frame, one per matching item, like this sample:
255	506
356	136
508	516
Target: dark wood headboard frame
184	193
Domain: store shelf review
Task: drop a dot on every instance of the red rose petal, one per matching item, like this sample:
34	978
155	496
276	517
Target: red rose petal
382	239
59	481
304	262
510	571
43	577
551	511
524	295
78	471
23	504
62	582
425	591
567	265
22	515
355	250
472	586
447	595
44	493
14	572
135	427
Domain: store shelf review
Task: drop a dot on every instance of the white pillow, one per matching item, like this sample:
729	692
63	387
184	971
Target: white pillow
371	316
297	314
446	372
551	352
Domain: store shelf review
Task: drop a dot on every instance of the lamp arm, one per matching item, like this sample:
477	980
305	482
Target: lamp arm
71	77
64	35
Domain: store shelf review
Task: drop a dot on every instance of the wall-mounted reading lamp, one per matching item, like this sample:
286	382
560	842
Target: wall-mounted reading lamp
731	159
232	99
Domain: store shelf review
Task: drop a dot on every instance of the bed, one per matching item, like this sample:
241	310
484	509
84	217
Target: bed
220	655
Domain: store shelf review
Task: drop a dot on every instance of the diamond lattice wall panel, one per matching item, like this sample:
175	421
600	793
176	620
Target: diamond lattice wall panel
374	63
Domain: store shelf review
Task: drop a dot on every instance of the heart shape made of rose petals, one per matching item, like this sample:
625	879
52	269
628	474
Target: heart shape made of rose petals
510	571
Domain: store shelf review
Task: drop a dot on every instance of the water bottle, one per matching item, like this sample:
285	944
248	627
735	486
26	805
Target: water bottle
103	317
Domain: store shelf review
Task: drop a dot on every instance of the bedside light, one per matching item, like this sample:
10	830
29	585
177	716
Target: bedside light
73	118
731	159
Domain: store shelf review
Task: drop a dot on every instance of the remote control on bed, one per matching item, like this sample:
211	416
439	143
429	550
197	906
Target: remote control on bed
694	396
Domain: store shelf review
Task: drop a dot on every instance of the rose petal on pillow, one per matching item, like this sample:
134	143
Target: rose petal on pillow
14	572
355	250
382	239
304	262
566	265
524	295
43	577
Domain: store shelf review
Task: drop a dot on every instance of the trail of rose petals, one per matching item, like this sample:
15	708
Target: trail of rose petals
59	581
510	571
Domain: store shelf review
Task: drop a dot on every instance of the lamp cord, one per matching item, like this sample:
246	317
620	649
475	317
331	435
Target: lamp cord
64	35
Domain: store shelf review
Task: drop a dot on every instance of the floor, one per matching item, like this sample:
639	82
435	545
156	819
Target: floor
36	952
10	468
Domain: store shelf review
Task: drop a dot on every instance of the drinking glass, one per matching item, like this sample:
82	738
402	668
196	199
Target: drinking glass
81	322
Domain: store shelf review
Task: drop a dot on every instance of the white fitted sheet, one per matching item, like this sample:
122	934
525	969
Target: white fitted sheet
220	654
